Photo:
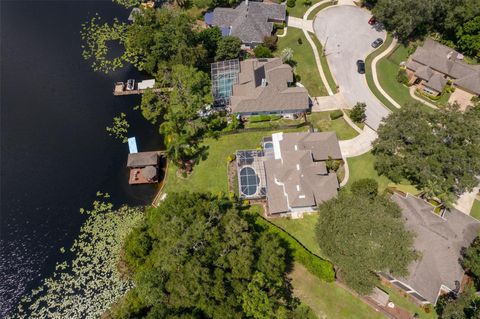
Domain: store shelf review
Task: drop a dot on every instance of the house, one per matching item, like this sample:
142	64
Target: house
263	87
290	171
440	241
250	21
433	65
143	167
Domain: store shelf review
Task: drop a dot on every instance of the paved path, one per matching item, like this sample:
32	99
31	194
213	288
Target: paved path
465	201
358	145
300	23
412	94
375	76
345	43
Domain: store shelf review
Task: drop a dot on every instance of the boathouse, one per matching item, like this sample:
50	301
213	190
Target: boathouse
144	167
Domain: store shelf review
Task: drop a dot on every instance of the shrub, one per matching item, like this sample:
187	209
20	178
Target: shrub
402	76
358	112
231	158
279	26
297	77
290	3
307	3
336	115
270	42
262	51
332	165
365	187
299	40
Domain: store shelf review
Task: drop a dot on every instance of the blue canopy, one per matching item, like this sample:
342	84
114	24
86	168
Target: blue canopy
132	145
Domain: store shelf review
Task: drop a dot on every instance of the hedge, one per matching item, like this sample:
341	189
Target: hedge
336	115
321	268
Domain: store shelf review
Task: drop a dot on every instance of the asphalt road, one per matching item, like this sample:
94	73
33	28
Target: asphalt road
347	37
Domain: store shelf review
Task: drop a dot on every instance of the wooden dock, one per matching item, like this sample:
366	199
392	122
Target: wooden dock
132	92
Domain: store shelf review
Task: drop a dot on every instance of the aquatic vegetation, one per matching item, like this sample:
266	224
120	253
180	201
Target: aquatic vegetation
120	128
128	3
88	284
96	36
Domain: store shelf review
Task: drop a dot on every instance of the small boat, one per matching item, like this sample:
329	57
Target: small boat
130	85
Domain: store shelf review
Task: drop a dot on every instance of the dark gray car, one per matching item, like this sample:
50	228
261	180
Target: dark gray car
377	43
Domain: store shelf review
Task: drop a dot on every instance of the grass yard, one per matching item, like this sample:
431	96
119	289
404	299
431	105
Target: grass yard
475	212
368	73
210	175
302	229
303	55
363	167
322	121
314	12
323	61
328	300
399	300
299	9
273	123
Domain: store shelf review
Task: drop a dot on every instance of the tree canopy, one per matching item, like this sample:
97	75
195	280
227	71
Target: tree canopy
437	152
455	22
471	260
362	235
199	256
228	48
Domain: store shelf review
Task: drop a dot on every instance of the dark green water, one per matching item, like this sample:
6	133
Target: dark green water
55	153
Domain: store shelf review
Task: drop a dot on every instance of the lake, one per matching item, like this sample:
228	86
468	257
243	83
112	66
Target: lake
55	152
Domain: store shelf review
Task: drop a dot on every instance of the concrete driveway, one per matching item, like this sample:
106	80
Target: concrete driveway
347	37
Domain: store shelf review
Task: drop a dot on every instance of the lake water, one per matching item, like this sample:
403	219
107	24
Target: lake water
55	152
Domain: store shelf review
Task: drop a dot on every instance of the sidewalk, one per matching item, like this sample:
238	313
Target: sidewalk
358	145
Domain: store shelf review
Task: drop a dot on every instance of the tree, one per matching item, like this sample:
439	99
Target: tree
210	38
471	260
404	17
468	36
363	235
120	127
163	37
152	105
262	51
182	128
439	149
464	306
366	187
270	42
206	260
286	55
357	113
228	48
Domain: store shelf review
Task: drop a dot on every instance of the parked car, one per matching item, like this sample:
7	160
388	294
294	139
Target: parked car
377	43
361	66
372	21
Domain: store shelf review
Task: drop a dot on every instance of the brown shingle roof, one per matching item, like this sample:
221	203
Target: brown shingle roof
297	180
439	241
142	159
249	95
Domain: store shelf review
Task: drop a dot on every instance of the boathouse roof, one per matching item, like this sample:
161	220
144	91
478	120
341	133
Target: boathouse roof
142	159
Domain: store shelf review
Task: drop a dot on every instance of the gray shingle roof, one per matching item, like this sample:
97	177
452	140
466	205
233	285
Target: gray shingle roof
297	180
142	159
250	21
250	96
447	61
436	82
439	241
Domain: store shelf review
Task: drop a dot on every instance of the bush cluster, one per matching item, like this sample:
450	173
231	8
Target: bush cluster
336	115
290	3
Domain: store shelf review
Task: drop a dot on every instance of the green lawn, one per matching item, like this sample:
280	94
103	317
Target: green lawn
322	121
314	12
273	124
399	300
475	212
303	230
363	167
210	175
323	61
299	9
328	300
303	55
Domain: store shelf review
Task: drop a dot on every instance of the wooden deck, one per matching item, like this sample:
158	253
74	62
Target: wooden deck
132	92
136	177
